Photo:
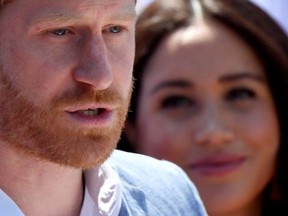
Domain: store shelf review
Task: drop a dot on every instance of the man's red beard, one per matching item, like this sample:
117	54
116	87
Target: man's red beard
41	131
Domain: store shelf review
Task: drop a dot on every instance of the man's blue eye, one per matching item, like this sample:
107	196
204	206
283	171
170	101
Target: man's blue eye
115	29
60	32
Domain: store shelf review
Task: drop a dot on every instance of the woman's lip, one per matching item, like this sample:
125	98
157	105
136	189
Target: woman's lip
218	165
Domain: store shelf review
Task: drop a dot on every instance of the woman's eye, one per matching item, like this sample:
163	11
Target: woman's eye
174	102
61	32
240	94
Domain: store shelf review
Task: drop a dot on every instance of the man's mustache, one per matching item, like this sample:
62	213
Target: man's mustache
85	95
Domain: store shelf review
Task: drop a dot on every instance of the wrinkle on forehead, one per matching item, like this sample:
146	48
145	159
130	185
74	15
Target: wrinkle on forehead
69	14
105	2
126	11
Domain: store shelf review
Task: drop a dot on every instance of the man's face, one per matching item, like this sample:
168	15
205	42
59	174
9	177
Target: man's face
65	77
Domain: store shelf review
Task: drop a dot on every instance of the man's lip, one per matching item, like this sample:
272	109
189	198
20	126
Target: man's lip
103	118
217	165
77	108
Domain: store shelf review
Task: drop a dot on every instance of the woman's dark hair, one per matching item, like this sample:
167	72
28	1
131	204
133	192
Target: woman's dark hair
259	30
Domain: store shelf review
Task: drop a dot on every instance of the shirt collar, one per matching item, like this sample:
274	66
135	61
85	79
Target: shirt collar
103	192
8	206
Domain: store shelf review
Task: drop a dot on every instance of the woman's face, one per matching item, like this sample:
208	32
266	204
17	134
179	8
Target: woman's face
205	104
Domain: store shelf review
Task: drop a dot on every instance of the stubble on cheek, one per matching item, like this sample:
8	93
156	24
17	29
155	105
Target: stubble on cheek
41	131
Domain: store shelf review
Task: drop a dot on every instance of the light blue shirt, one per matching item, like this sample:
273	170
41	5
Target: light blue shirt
154	187
129	184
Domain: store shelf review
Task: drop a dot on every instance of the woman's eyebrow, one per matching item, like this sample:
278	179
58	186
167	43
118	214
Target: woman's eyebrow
242	75
172	83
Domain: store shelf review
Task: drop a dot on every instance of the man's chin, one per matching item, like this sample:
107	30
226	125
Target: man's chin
83	155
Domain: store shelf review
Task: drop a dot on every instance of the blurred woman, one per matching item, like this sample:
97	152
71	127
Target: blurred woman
211	94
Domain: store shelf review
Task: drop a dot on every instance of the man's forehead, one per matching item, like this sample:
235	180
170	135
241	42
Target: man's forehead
74	9
2	2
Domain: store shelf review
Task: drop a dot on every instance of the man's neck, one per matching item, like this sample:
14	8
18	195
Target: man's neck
40	187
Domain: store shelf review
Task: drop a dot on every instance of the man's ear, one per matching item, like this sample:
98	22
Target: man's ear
130	133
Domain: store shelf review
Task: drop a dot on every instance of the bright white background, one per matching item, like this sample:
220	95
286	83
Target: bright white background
278	9
142	4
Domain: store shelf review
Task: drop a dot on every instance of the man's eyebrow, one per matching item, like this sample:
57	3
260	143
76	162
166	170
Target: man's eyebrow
48	16
172	83
242	75
127	14
66	16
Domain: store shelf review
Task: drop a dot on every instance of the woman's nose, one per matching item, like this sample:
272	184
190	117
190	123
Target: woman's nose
213	129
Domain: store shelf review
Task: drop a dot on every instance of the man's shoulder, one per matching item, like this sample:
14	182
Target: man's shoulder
140	166
156	185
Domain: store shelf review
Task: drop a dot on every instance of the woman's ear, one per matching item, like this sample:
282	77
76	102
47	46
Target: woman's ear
130	133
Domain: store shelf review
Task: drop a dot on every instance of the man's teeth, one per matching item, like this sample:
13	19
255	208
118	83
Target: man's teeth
90	112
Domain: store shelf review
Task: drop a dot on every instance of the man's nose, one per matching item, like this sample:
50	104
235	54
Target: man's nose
213	129
94	66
